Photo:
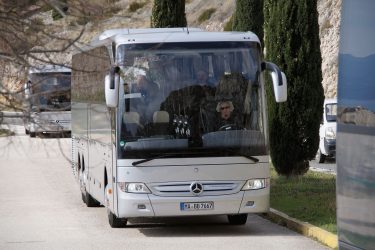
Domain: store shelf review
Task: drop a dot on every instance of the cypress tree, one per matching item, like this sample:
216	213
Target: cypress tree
248	16
292	42
168	14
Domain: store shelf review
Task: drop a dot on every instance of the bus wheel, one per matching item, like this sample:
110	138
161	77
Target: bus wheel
90	201
83	198
114	221
32	134
237	219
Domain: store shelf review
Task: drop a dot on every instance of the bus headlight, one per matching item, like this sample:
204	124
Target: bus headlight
330	134
133	187
255	184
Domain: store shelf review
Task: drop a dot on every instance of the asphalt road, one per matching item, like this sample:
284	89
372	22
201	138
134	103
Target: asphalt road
41	208
329	166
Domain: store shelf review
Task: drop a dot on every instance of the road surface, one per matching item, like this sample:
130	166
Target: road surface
41	208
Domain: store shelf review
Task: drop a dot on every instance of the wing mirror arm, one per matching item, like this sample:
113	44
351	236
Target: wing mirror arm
279	81
111	85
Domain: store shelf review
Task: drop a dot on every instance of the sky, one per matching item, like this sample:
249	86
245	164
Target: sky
356	85
357	33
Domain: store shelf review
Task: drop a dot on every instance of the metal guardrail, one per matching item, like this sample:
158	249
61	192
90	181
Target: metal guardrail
6	116
11	114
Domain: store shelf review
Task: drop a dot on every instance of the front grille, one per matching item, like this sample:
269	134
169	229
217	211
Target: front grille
59	122
183	188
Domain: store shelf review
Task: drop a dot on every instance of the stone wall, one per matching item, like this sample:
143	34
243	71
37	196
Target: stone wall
329	23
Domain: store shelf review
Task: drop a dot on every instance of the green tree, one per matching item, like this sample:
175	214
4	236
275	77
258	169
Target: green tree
292	42
168	14
248	16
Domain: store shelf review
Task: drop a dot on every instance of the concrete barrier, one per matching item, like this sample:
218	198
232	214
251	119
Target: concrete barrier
304	228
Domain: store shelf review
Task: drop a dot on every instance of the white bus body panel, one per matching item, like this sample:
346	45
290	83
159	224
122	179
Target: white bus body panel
183	172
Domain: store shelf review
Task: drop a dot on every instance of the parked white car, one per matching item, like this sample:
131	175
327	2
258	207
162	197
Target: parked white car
327	131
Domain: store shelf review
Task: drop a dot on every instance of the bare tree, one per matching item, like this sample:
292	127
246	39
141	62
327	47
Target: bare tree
29	37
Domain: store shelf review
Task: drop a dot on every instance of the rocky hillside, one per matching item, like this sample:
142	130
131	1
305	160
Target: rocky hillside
220	11
329	22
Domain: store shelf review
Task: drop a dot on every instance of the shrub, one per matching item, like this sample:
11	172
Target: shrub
292	42
229	24
206	15
168	14
134	6
248	16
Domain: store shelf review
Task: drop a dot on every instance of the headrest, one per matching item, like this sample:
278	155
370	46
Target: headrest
229	84
161	117
130	117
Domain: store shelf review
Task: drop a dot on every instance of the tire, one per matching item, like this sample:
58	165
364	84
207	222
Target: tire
320	158
237	219
32	134
27	131
116	222
83	198
90	201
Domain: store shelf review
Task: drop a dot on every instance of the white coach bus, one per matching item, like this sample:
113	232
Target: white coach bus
172	122
47	100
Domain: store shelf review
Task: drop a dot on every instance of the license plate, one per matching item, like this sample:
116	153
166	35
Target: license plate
194	206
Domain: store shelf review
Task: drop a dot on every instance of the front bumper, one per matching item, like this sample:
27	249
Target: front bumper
149	205
49	129
330	147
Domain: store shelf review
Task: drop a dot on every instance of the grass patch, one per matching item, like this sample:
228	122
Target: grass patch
229	24
134	6
310	198
206	15
5	132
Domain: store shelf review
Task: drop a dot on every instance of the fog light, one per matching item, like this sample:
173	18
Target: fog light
141	206
249	203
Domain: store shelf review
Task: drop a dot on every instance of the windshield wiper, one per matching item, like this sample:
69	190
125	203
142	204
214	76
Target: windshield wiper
162	155
135	163
255	160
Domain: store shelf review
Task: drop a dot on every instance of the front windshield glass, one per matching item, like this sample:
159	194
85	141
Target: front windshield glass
190	99
51	91
331	112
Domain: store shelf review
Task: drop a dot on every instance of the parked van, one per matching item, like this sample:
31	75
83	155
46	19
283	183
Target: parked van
327	131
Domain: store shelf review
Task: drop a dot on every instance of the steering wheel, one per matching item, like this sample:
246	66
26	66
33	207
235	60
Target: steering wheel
230	127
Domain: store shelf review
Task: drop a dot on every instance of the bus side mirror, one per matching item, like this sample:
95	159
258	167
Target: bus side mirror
112	83
279	81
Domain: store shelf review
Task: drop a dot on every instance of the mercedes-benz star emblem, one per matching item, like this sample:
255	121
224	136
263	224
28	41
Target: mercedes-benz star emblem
196	188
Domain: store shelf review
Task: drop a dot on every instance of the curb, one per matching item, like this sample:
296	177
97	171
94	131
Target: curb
304	228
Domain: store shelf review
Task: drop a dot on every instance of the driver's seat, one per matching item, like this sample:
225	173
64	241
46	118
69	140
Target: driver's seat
160	123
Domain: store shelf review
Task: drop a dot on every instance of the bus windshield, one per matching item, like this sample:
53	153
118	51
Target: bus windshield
51	91
190	99
331	112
